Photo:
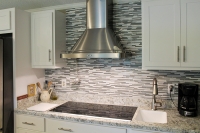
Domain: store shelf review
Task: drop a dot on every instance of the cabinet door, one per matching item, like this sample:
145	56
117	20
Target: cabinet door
30	122
64	126
143	131
190	33
5	23
161	33
42	38
26	131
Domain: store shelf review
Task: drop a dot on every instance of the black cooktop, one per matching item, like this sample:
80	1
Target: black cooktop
100	110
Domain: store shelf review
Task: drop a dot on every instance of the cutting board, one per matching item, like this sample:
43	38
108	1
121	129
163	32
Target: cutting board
42	107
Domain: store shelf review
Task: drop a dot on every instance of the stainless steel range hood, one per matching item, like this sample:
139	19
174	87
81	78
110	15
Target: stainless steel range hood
98	41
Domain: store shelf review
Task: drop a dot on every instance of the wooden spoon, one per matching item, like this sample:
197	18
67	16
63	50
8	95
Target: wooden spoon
49	85
39	86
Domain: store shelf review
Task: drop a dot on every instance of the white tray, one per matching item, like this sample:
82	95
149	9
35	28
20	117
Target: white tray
42	107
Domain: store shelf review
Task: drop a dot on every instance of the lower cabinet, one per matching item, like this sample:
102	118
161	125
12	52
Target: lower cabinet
143	131
63	126
34	124
29	124
26	131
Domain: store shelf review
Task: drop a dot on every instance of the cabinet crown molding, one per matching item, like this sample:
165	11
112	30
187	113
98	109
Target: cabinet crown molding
73	5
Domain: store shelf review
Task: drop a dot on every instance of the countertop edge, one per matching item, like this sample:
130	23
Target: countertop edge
98	121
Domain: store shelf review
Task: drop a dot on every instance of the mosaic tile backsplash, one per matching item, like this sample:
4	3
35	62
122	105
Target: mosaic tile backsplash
115	77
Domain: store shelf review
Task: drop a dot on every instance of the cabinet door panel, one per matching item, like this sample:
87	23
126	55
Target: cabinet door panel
26	131
143	131
190	35
161	33
5	20
63	127
42	38
30	122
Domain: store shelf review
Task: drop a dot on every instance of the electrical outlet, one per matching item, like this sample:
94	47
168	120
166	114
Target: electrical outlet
171	86
63	82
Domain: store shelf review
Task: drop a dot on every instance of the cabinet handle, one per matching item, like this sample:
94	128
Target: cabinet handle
28	123
64	129
183	53
178	54
49	55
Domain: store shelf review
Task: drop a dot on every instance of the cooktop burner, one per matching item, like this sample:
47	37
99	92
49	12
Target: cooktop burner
100	110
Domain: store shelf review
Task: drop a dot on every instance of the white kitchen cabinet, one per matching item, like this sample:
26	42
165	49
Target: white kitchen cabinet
143	131
161	33
29	122
190	31
5	20
47	39
48	125
64	126
170	31
26	131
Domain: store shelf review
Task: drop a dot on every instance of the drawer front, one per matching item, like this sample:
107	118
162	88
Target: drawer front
144	131
147	132
5	20
65	127
26	131
29	122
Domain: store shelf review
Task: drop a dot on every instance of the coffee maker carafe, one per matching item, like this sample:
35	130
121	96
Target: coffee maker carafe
187	99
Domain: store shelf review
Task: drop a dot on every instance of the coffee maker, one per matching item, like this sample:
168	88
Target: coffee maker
188	99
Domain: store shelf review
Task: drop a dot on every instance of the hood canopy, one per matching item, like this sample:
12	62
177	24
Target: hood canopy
98	40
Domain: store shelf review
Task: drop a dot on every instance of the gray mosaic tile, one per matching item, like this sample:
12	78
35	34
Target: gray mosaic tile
115	77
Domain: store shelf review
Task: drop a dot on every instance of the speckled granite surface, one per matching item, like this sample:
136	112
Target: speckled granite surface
176	123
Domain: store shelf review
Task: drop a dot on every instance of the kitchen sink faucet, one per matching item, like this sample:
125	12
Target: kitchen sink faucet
155	104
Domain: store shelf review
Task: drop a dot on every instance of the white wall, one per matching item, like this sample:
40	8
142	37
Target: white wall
24	75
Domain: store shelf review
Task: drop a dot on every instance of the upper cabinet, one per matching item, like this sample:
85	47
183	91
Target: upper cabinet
5	22
47	39
170	34
190	33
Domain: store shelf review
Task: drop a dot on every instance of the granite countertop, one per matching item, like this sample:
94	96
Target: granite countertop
175	122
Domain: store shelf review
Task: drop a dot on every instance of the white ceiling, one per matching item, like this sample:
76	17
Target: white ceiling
32	4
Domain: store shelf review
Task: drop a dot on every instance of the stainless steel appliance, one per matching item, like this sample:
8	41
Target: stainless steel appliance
1	83
98	40
6	84
188	99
